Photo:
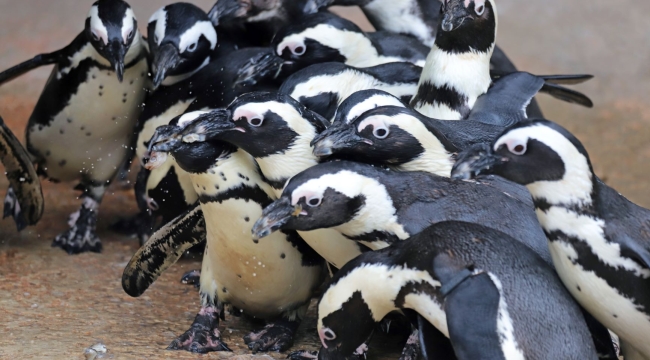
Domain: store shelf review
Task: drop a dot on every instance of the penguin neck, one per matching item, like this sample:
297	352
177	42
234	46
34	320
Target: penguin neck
575	191
174	79
137	47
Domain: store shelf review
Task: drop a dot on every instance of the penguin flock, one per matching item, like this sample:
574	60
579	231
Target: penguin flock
407	172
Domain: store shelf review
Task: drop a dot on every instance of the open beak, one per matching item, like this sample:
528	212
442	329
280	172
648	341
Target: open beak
116	52
335	139
208	126
225	10
166	58
274	217
478	159
265	66
454	15
163	141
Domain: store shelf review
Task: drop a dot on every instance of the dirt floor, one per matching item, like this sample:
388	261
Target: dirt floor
54	306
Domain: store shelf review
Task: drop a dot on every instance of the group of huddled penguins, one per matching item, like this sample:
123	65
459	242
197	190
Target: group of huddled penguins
406	170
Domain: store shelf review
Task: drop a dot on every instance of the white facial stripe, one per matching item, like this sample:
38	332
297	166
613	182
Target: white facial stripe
127	24
477	3
370	103
193	34
97	25
380	299
374	121
576	186
160	17
505	329
189	117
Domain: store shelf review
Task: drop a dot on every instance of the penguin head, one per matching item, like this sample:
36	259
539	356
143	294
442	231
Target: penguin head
316	38
112	28
225	11
181	38
467	25
195	157
539	154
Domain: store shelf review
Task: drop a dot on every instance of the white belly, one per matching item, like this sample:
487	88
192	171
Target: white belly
602	301
331	245
91	135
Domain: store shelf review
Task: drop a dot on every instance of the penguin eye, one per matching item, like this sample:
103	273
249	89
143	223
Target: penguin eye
256	121
95	36
298	50
192	47
155	39
313	202
479	10
517	147
130	34
329	334
380	132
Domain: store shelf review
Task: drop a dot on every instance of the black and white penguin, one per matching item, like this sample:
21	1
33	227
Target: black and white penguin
24	201
322	87
276	130
492	296
400	137
270	280
598	239
82	124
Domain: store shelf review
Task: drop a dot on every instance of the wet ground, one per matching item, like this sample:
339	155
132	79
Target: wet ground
54	306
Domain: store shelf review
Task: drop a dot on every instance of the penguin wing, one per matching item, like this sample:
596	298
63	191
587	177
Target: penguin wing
31	64
25	184
162	250
433	343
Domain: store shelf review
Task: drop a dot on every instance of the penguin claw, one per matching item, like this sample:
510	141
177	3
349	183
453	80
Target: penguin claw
273	337
203	336
192	277
81	236
303	355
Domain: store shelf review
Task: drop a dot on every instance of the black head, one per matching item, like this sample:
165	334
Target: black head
111	28
323	196
527	153
314	39
195	157
181	38
467	25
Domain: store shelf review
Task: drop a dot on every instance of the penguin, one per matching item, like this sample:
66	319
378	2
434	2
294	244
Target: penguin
24	201
400	137
322	87
276	130
273	280
598	239
81	126
188	76
492	296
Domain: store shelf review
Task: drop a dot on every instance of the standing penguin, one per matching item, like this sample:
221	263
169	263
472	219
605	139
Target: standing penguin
492	296
272	281
82	124
598	239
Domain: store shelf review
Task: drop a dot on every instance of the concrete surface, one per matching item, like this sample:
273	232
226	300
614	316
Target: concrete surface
54	306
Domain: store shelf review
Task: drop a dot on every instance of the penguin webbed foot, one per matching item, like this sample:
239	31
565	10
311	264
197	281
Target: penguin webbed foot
192	277
12	208
276	336
303	355
81	237
412	349
204	335
140	226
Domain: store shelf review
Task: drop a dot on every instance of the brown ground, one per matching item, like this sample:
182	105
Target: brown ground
54	306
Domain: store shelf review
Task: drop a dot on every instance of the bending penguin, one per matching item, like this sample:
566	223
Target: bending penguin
492	296
598	239
81	126
272	280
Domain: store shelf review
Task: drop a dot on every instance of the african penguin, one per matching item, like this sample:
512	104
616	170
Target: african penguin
322	87
493	297
407	140
457	70
276	130
598	239
271	280
81	126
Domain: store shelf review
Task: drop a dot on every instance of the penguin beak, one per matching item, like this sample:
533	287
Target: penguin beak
225	10
274	217
208	126
265	66
454	15
478	159
335	139
166	59
115	54
313	6
163	141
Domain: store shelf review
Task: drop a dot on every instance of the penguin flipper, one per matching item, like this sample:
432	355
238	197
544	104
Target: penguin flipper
433	343
566	79
24	200
568	95
31	64
162	250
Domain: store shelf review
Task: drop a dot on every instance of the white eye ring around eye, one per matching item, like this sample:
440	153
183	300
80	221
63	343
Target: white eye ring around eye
299	50
313	202
380	132
479	10
95	36
192	47
328	334
517	148
255	121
